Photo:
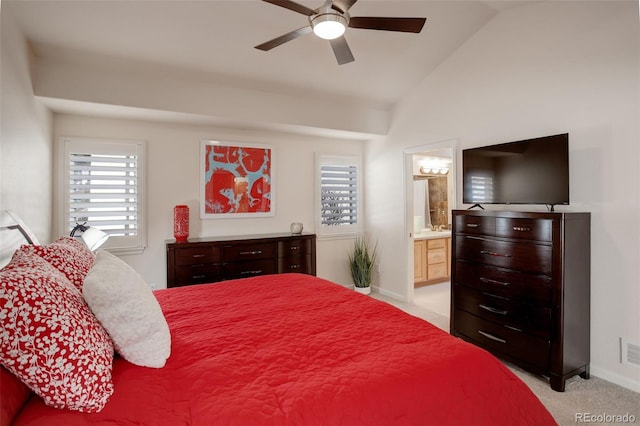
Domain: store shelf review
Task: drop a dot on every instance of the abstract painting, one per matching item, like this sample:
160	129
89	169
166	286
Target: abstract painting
236	180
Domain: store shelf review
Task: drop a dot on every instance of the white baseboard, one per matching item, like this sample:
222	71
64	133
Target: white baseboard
396	296
615	378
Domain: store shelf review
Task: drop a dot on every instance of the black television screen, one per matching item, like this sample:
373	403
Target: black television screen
532	171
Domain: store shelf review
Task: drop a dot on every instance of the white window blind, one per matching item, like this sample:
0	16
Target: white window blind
104	185
339	195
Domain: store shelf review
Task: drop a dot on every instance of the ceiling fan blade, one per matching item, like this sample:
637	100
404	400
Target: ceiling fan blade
268	45
341	50
292	5
406	25
343	5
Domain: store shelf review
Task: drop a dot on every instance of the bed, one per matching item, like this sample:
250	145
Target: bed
288	349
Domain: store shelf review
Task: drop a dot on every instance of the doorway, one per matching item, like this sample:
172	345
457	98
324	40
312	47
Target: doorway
430	195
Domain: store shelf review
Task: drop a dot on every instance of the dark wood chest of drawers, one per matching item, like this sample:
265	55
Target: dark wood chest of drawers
208	260
520	288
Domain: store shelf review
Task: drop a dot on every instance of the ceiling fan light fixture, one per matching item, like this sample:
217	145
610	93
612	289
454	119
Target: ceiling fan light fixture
328	25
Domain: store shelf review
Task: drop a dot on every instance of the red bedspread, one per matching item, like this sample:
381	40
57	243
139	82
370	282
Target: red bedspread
295	349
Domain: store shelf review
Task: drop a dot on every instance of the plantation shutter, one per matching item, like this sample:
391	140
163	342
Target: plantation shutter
104	188
339	195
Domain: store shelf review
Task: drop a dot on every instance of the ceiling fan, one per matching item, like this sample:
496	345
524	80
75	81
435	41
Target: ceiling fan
330	20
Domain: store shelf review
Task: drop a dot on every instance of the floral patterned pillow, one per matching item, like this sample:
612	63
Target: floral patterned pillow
50	339
69	255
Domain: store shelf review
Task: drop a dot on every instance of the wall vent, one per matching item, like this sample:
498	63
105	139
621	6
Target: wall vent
630	352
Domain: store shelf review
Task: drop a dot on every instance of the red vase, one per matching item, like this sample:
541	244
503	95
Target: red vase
181	223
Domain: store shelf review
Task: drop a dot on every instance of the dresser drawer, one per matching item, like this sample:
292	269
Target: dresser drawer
527	229
504	282
294	247
521	256
299	264
475	225
212	259
234	270
501	339
524	316
197	274
197	255
249	251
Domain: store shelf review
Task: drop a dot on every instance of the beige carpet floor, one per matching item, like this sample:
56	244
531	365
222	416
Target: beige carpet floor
593	401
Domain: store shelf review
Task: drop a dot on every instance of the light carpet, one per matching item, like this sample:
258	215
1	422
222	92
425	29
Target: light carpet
593	401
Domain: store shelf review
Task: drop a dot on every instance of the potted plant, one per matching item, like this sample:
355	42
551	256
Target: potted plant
361	261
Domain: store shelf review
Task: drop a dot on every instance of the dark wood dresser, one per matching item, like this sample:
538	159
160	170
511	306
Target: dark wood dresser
207	260
520	288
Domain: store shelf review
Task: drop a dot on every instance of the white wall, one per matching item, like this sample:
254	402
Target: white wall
532	71
173	178
126	83
25	136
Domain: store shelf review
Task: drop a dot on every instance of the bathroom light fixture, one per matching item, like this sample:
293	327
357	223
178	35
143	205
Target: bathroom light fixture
434	171
329	24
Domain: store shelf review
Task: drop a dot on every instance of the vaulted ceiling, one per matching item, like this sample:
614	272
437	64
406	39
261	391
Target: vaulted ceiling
215	40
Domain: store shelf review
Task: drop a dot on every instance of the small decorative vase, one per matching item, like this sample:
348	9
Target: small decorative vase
363	290
296	228
181	223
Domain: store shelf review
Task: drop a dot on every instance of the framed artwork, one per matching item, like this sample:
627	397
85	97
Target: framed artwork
236	180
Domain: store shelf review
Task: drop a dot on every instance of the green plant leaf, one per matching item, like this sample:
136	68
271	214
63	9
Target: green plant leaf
361	262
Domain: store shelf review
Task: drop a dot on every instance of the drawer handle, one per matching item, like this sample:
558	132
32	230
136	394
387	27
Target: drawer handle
196	256
295	247
493	253
294	267
198	277
521	229
472	225
492	337
256	272
493	310
490	281
251	252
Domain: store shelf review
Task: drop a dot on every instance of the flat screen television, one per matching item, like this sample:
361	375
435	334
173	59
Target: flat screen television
532	171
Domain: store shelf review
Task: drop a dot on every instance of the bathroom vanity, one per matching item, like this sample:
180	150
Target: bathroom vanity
431	257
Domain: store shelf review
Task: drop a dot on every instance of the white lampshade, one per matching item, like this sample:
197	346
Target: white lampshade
94	238
329	25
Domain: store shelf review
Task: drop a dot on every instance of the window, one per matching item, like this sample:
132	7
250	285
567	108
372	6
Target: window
338	195
103	185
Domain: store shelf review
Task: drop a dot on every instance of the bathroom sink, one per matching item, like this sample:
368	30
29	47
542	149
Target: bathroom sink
431	234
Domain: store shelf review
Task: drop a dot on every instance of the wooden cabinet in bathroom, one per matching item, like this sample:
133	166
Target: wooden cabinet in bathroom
431	260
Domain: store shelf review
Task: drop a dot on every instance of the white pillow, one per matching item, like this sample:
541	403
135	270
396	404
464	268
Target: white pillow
128	310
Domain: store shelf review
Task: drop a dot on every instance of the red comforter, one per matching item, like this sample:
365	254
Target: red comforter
295	349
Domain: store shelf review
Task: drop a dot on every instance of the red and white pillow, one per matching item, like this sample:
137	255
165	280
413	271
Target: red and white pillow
49	338
69	255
